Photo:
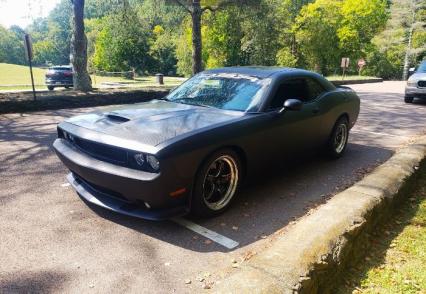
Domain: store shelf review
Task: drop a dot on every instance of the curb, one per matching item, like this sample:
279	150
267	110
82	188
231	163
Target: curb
310	257
352	82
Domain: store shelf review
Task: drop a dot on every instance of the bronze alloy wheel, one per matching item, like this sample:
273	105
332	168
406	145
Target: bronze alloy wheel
220	182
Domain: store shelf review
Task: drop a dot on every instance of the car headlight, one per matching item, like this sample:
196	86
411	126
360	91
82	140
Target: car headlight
153	162
140	159
145	162
412	83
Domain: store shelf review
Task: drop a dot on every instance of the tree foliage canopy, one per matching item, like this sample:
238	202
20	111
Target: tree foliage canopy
153	36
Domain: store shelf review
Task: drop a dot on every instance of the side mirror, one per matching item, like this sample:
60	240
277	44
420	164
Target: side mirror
411	71
292	104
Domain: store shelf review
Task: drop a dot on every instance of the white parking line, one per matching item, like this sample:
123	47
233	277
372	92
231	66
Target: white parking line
222	240
360	131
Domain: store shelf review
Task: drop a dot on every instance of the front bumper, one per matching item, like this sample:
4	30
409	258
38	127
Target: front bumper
121	189
59	83
98	198
415	92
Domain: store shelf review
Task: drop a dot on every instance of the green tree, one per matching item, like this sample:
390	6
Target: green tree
122	44
223	35
361	21
196	9
316	30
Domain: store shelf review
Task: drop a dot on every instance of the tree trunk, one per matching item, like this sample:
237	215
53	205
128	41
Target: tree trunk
410	38
197	45
81	77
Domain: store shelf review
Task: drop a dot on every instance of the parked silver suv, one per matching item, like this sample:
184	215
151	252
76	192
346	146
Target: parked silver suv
416	85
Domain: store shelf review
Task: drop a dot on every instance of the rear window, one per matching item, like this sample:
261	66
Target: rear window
60	68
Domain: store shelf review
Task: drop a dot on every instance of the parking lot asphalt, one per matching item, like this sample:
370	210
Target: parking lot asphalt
51	241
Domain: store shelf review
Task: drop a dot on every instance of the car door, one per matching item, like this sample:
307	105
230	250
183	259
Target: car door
295	131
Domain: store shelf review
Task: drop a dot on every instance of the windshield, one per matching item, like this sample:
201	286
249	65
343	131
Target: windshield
223	91
422	68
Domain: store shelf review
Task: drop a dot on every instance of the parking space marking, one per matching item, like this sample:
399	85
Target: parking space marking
218	238
360	131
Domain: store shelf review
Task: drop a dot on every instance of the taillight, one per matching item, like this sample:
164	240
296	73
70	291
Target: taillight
49	73
67	73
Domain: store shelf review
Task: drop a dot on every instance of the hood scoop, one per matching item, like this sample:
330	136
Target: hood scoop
116	118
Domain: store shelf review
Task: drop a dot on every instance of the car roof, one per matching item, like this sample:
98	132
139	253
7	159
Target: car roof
255	71
61	67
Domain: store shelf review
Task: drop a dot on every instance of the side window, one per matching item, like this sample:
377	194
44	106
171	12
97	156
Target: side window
290	89
314	89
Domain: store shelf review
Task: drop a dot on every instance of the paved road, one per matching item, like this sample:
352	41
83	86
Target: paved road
51	241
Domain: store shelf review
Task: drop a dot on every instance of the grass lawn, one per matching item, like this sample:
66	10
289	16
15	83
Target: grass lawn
17	77
397	260
12	74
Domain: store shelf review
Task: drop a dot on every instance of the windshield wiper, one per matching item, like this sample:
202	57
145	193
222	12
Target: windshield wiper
184	100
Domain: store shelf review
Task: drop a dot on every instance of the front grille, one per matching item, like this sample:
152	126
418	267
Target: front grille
97	150
422	84
108	153
100	151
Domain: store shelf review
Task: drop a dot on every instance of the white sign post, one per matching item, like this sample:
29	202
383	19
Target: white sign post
344	65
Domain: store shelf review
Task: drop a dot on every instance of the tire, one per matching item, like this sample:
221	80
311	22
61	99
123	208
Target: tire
336	145
408	99
50	88
215	188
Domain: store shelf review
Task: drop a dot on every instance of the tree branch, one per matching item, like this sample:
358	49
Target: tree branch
183	5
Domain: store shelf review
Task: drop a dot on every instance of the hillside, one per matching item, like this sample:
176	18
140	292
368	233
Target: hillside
12	74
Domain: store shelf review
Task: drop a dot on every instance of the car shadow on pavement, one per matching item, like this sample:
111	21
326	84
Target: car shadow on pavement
33	282
265	207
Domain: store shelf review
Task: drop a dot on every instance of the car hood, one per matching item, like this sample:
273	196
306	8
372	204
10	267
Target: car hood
153	123
418	76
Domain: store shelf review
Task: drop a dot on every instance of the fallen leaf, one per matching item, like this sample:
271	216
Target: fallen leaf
206	286
248	255
188	281
235	228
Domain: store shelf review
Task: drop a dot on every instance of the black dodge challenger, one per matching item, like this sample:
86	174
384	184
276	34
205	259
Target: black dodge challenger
190	151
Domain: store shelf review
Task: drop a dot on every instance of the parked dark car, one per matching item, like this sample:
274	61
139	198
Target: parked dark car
59	76
416	84
191	151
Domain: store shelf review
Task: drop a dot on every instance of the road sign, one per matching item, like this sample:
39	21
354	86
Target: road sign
344	65
345	62
361	63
